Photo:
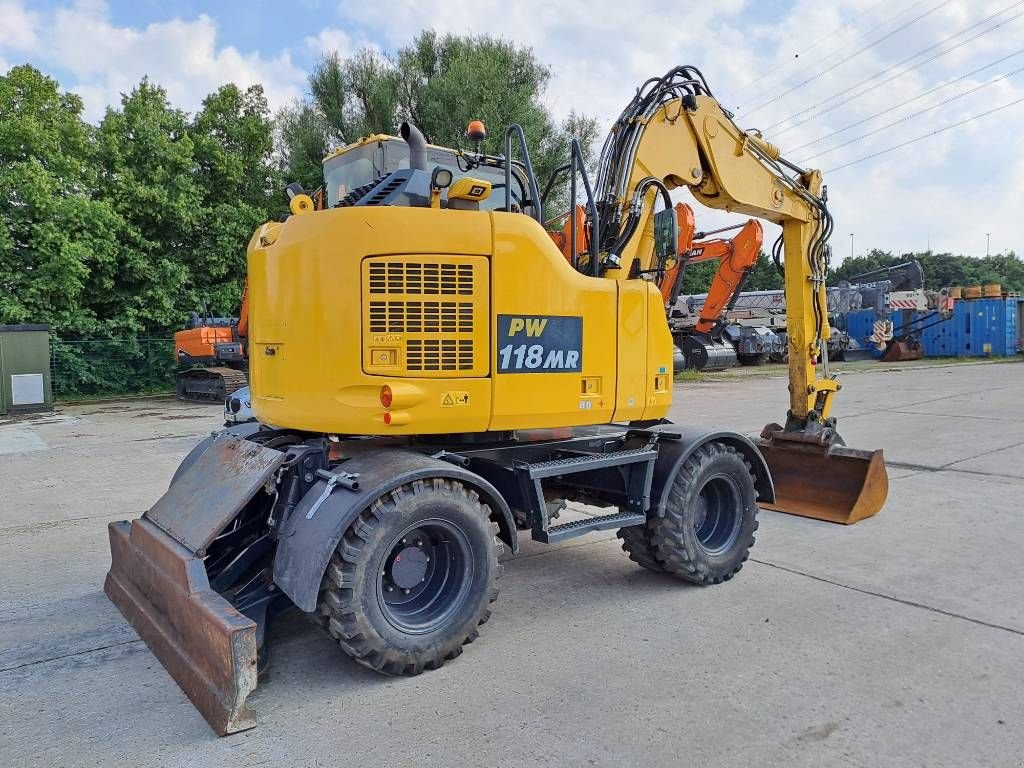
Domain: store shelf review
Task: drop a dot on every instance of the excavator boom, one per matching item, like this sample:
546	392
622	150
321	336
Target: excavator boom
675	134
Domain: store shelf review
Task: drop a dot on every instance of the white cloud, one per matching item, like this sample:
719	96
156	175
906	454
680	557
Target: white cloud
332	39
951	188
18	26
183	56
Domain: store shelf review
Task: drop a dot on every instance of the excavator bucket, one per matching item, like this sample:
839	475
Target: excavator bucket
837	484
158	580
902	349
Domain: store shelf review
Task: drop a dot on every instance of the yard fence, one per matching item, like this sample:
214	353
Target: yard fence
95	367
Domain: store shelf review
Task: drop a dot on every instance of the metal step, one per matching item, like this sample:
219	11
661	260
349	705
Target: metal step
588	461
565	531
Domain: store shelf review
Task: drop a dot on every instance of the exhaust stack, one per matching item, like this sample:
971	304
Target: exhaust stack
417	146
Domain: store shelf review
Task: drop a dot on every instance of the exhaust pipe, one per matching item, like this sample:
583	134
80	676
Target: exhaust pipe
417	146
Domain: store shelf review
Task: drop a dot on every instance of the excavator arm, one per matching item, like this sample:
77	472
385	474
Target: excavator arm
675	134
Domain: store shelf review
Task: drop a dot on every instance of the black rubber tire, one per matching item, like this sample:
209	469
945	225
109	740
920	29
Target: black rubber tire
724	477
349	600
636	542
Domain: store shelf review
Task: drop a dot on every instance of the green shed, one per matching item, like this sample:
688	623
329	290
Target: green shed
25	368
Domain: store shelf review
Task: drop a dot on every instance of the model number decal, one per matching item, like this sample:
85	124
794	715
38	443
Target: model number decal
539	344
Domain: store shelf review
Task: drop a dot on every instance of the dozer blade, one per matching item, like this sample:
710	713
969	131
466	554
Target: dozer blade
159	582
207	646
837	484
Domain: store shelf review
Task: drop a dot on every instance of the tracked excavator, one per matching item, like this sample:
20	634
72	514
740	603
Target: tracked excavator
216	350
442	380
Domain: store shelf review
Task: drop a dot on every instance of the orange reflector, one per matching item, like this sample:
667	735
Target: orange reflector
386	396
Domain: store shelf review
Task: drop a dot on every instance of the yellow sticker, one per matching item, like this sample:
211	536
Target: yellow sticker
453	398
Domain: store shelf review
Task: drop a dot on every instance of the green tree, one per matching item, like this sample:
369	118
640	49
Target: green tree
439	83
148	175
54	235
232	138
942	269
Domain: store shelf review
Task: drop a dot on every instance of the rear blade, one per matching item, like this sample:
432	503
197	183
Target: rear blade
207	646
837	484
159	582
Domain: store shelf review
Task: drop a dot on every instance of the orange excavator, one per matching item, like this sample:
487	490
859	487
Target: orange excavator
698	339
216	348
701	342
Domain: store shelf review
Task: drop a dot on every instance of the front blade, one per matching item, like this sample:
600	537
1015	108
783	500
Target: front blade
837	484
207	646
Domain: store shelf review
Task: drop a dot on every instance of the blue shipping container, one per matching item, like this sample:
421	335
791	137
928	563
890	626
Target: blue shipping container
978	328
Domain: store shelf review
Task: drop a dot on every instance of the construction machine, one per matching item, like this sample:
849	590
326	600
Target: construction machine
441	381
216	348
701	337
899	289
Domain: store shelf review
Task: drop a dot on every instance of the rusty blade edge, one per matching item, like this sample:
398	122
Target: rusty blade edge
186	651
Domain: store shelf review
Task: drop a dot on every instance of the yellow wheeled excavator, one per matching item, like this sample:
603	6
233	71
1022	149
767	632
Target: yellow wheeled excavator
441	378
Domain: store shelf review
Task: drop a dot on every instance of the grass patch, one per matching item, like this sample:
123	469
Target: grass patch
689	375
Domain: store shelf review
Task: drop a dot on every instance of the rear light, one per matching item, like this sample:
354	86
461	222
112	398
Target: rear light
387	417
386	396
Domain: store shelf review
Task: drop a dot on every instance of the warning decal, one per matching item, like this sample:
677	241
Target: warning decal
453	398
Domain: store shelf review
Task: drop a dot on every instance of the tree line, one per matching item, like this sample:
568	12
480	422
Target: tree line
122	228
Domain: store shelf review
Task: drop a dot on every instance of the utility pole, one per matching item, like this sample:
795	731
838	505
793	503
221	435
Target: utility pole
851	245
988	243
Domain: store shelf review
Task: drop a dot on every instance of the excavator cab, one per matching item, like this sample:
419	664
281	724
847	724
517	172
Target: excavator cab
353	170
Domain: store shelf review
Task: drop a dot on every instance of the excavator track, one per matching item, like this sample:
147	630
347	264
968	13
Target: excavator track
209	384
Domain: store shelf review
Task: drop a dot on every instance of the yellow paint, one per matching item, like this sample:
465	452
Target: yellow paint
453	398
701	148
311	300
335	315
468	188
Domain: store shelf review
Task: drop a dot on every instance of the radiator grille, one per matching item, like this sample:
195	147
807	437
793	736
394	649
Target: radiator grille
439	355
421	279
421	317
432	309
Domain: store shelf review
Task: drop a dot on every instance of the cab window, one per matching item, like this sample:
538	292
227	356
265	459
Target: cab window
370	162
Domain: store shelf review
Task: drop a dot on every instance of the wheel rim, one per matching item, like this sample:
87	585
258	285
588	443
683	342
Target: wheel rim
719	514
426	576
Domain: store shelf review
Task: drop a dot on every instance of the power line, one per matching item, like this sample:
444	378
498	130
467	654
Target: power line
746	88
919	96
853	55
894	66
911	116
925	136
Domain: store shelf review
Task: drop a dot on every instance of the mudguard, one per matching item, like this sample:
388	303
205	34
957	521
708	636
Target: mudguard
307	543
243	430
672	454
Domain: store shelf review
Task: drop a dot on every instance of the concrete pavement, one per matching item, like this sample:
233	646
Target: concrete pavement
895	642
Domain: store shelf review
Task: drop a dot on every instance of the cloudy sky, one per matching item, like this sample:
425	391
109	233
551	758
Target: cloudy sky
814	75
